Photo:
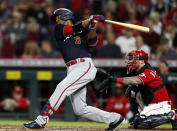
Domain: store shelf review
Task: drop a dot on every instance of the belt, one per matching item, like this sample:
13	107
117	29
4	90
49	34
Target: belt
72	62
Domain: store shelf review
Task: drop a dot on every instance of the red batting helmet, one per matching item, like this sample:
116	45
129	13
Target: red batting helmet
133	56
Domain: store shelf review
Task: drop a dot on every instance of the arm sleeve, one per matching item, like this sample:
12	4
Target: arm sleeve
70	29
146	77
61	31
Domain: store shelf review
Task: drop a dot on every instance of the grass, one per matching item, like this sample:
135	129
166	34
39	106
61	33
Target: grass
66	124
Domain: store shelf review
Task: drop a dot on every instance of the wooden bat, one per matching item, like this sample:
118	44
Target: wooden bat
130	26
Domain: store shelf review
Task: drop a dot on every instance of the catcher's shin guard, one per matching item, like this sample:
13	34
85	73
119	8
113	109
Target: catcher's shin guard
152	120
174	121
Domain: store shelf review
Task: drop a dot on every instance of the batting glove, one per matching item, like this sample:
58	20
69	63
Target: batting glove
94	19
98	18
93	25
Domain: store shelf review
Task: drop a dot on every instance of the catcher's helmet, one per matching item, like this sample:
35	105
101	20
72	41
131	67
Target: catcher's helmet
133	56
65	14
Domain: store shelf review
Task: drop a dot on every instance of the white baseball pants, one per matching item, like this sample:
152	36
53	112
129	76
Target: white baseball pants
73	85
156	108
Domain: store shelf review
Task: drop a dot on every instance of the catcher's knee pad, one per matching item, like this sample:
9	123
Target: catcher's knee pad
148	122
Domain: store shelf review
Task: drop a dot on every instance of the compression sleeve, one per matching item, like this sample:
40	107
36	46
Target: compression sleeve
70	29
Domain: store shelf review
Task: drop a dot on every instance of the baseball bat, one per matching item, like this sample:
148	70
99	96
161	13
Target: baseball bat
130	26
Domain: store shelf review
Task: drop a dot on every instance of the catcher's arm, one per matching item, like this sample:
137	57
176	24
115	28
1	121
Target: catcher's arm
134	80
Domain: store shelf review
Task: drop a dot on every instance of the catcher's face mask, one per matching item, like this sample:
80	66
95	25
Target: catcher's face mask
132	59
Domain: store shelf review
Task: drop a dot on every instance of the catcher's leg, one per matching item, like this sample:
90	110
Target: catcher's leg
80	108
148	122
154	115
174	120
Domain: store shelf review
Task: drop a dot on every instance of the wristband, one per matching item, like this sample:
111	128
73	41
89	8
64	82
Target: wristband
120	80
78	27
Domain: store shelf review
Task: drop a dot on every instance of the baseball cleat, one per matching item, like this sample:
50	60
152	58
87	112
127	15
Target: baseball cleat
174	122
33	125
112	126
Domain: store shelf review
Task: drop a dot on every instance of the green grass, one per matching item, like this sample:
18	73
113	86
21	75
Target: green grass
67	124
52	123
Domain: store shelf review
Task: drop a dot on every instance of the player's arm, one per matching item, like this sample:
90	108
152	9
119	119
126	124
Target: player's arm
70	29
134	80
92	37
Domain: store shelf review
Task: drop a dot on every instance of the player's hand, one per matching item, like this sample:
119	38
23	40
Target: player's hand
94	19
97	18
92	25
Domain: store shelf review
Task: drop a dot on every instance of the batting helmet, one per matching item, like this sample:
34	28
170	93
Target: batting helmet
133	56
65	14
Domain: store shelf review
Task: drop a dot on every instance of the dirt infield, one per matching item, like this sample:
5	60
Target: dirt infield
50	128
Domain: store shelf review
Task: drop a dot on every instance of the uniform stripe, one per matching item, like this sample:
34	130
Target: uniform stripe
72	84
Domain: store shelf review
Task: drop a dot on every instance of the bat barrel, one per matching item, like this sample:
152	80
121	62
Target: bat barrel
130	26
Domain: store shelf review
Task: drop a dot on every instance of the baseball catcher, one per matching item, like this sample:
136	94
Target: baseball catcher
146	89
75	41
146	92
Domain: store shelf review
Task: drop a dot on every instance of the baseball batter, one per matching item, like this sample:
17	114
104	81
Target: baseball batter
147	93
75	41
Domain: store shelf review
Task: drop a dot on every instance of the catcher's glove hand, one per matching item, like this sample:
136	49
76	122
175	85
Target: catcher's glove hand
102	86
105	78
101	74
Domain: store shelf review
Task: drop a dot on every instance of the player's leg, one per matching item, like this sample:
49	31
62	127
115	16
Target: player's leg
80	108
78	76
153	115
148	122
174	120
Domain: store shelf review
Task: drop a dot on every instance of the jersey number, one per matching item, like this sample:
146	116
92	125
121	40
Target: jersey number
77	40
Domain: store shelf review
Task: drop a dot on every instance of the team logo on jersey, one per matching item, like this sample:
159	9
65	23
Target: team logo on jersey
153	73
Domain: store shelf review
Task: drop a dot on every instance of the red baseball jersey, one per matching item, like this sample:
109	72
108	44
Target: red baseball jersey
120	105
152	80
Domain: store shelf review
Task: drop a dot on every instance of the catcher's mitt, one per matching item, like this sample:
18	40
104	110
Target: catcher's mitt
102	86
101	74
